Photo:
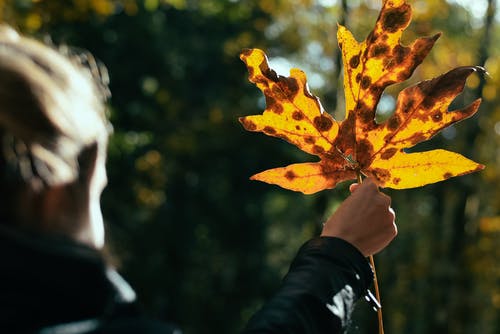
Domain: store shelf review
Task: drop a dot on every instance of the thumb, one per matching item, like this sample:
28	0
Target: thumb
353	187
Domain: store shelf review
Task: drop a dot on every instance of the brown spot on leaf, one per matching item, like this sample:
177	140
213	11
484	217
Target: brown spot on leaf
364	145
260	78
354	61
437	117
268	72
340	46
298	115
364	151
284	137
289	86
376	91
396	180
417	138
270	101
269	130
447	175
364	113
396	18
290	175
297	127
278	109
246	52
389	153
428	101
404	74
322	123
400	53
393	123
358	77
250	71
380	50
318	149
273	106
381	175
309	139
407	105
346	137
372	37
365	82
248	124
388	62
277	92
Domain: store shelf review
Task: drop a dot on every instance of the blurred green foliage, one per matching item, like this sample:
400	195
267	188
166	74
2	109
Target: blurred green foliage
202	245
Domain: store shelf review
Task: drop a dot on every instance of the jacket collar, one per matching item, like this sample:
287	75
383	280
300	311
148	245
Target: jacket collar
45	280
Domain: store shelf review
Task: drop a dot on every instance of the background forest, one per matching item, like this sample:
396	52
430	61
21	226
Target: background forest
204	246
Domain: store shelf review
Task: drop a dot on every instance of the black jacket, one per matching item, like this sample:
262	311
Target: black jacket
317	295
52	285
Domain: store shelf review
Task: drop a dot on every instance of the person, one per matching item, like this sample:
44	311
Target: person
54	278
53	139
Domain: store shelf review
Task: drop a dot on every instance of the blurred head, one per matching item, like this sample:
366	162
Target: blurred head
53	138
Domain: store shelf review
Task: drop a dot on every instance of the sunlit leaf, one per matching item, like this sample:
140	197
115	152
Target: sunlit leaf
358	144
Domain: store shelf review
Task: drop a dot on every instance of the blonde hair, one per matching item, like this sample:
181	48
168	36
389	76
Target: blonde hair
51	108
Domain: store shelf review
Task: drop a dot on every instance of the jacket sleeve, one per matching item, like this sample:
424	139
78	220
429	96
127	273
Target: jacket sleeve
317	295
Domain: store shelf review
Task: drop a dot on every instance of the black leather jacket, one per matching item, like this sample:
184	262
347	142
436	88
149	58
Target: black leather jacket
51	285
317	295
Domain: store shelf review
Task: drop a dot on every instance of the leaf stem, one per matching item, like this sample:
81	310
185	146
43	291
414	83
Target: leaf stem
375	280
360	177
377	294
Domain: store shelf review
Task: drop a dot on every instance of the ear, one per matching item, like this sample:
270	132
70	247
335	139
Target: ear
63	208
87	160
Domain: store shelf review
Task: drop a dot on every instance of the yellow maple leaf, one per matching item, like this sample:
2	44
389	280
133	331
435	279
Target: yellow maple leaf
358	144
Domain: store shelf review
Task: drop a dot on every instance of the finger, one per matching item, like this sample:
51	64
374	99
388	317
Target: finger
386	198
394	227
393	214
353	187
368	183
